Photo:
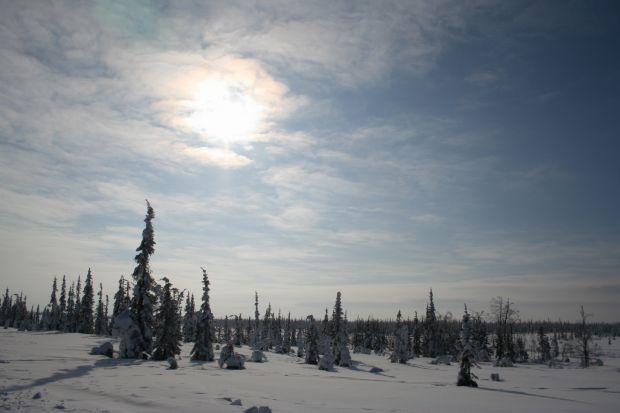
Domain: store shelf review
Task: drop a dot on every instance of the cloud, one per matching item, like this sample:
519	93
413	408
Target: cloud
215	156
349	44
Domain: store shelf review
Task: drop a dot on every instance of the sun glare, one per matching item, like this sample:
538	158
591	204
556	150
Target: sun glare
224	113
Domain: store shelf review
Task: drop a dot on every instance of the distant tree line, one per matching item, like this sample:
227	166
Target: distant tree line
153	318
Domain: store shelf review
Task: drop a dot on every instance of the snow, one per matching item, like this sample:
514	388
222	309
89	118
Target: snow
58	366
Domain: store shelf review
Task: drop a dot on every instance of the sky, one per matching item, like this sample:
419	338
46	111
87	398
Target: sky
300	148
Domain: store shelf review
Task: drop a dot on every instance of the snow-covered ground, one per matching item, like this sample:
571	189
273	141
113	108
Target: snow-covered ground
59	368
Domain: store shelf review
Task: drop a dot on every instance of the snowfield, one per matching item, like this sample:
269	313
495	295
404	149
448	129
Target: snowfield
48	371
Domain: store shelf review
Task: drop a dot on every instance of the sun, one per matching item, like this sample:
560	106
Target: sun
224	112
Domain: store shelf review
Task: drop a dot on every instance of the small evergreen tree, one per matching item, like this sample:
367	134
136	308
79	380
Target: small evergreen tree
120	299
465	376
77	313
340	341
100	321
70	309
189	320
203	348
62	305
286	339
86	307
238	331
417	336
399	355
54	319
544	348
312	342
167	341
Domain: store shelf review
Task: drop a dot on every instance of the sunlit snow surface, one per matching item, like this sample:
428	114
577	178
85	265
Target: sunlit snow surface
59	367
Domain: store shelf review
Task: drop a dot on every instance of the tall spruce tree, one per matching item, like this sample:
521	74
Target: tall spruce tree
86	306
311	351
340	336
70	309
465	376
144	298
255	342
189	320
203	347
100	322
54	316
62	305
168	340
77	314
120	300
430	328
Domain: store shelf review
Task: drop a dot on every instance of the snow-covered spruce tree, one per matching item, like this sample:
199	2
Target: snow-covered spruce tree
5	309
54	315
417	335
167	340
465	376
189	321
266	331
430	329
100	321
544	348
399	354
77	315
255	341
311	350
286	339
238	338
120	300
106	317
86	306
62	305
203	347
227	335
276	332
70	309
144	299
340	341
